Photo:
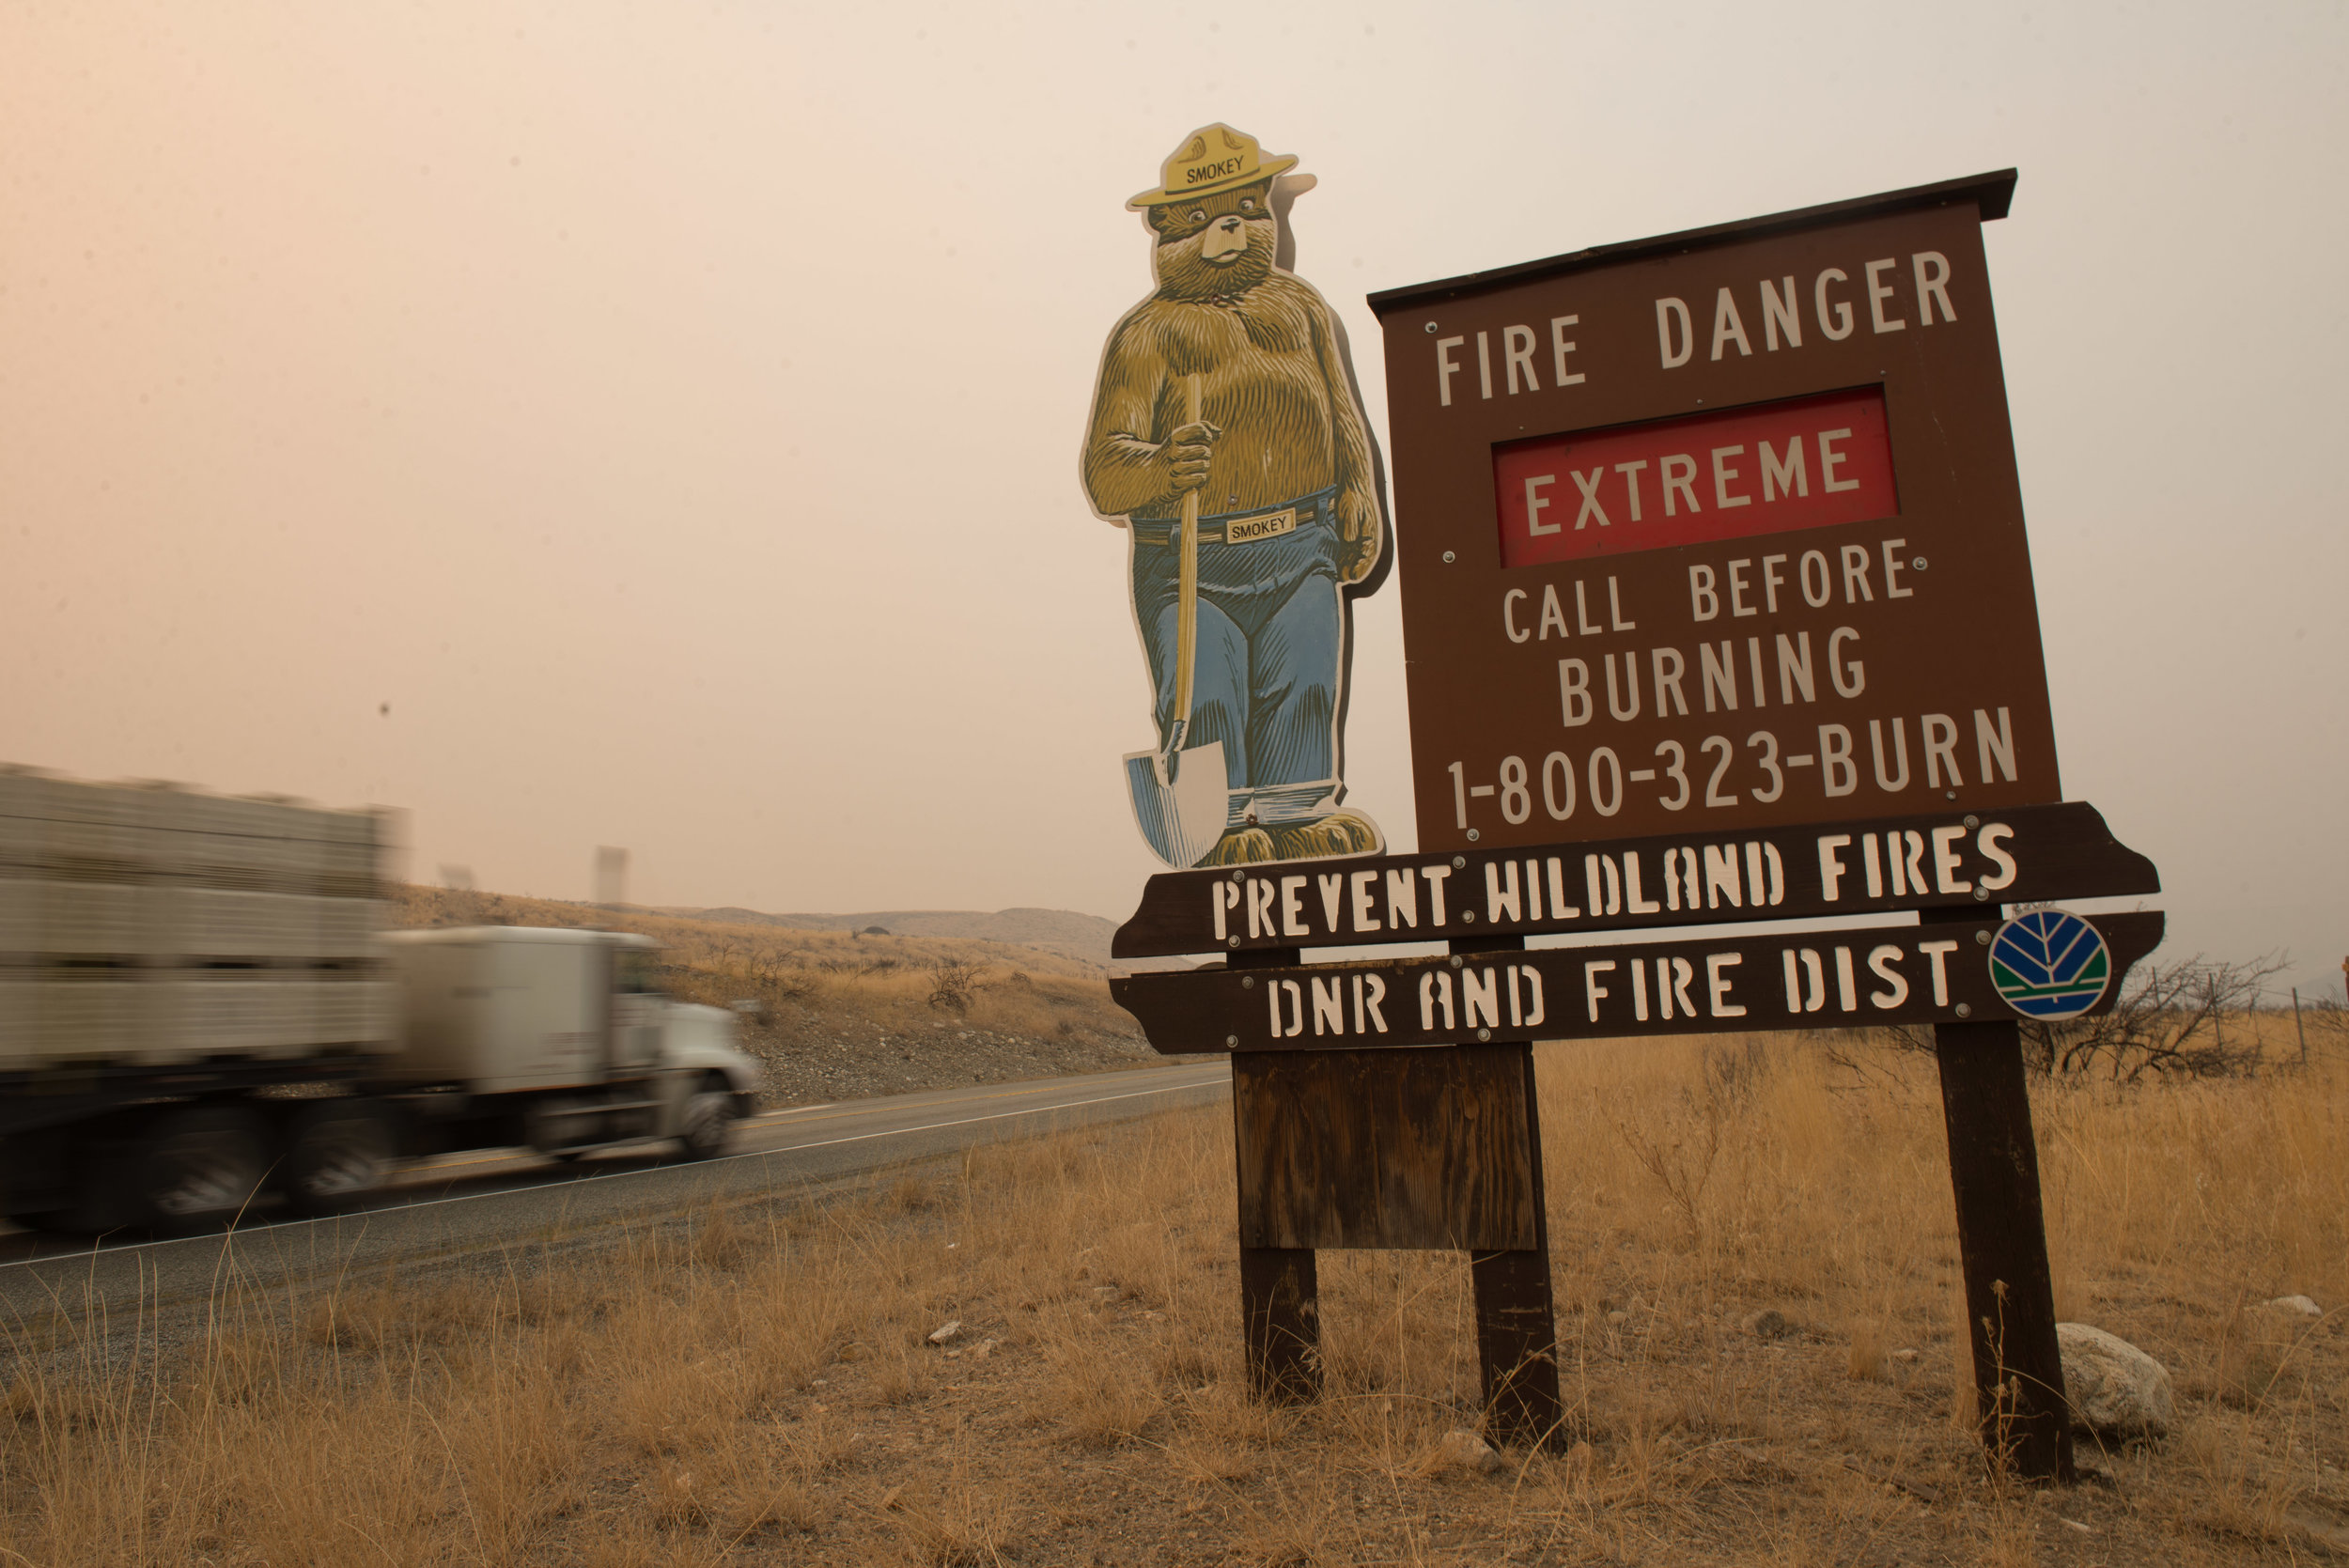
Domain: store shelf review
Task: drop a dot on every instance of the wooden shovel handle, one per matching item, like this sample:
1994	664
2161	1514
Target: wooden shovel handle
1187	581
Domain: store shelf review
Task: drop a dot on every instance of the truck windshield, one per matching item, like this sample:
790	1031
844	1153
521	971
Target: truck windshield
633	969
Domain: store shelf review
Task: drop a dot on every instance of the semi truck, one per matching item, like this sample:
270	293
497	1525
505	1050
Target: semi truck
201	1008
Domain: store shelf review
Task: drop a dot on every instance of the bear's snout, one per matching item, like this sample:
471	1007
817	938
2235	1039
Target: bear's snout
1225	240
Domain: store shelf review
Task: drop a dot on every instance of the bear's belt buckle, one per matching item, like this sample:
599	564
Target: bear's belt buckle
1263	526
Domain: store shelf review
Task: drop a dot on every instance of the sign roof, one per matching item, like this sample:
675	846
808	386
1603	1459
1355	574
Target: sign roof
1991	193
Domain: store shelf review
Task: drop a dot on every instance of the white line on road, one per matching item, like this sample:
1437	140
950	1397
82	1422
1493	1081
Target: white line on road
791	1110
992	1116
516	1156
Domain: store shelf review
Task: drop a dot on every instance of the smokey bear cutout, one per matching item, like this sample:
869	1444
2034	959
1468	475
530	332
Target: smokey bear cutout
1279	473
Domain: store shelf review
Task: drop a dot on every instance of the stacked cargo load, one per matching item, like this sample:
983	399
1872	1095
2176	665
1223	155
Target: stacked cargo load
198	1005
143	925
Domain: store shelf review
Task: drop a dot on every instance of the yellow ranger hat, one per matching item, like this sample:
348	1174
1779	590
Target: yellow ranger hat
1216	158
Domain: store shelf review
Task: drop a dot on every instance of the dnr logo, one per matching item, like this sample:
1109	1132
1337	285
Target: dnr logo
2049	965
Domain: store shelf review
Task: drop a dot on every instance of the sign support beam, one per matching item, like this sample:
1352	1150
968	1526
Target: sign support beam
2021	1413
1280	1290
1516	1340
1517	1314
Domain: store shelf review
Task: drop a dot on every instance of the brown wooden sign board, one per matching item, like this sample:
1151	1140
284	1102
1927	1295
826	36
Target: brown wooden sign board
1717	532
1803	979
1947	860
1417	1149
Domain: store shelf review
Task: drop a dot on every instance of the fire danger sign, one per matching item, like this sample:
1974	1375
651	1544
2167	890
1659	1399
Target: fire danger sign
1717	532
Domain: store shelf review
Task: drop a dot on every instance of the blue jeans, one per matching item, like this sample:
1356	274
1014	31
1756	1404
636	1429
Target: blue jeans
1271	642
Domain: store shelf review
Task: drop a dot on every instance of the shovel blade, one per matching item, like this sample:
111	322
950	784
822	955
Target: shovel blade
1183	819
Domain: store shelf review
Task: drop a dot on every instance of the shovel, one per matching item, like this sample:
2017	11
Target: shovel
1181	796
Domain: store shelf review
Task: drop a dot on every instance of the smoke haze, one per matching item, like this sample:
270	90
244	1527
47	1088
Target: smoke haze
672	412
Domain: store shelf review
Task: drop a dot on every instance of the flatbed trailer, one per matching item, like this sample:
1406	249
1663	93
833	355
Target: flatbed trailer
200	1007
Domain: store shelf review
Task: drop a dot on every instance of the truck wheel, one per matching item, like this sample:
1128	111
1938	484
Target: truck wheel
201	1167
336	1152
709	1121
50	1221
94	1183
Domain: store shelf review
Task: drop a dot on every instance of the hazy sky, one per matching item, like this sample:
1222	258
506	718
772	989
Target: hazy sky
672	411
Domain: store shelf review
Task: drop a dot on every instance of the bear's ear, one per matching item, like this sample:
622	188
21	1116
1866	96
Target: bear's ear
1286	190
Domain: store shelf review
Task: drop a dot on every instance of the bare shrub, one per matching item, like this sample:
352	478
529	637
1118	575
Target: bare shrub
953	986
1681	1150
1681	1155
2325	1024
2170	1022
2194	1018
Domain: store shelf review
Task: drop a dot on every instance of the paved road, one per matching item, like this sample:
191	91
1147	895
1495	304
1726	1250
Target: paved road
492	1200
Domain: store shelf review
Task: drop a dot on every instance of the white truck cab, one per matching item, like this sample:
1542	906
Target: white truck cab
562	1035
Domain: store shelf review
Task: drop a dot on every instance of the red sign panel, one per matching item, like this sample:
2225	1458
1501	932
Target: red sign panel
1807	462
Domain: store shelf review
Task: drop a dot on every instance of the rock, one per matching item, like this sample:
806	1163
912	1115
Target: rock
1904	1355
2299	1306
2116	1390
1463	1450
1767	1324
947	1332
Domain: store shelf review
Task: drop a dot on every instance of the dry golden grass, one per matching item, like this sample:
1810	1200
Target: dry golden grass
756	1384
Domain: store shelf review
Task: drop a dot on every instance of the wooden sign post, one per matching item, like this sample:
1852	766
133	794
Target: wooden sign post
1449	1137
1725	528
1358	1124
1717	608
1392	1102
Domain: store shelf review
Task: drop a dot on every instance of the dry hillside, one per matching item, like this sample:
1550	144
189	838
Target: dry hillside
838	1015
1064	933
